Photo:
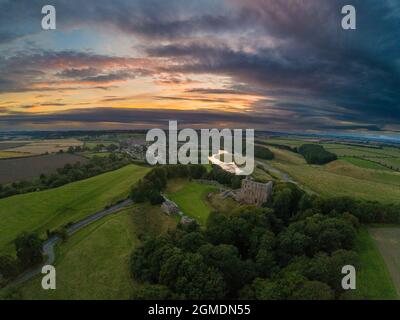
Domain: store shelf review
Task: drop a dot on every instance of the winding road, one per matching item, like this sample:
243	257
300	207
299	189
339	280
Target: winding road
49	244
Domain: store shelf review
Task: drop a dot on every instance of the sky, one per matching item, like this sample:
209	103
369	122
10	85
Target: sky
276	65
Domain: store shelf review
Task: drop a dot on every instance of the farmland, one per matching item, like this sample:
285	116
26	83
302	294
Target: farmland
54	208
12	154
36	147
364	163
351	175
4	145
12	170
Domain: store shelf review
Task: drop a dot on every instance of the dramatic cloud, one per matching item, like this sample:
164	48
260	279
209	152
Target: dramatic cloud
290	60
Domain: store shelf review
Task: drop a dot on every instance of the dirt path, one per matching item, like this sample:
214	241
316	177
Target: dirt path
283	175
388	241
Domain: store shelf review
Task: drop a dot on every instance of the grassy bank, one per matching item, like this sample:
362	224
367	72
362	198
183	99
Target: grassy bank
54	208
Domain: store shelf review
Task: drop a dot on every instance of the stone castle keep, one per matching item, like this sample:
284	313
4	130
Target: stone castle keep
254	193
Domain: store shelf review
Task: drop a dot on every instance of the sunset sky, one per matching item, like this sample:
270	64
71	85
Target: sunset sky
279	65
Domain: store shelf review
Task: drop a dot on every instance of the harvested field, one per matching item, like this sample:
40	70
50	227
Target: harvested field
12	154
31	167
43	146
388	241
11	144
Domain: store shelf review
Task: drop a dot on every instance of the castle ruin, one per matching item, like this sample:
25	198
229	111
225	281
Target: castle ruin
254	193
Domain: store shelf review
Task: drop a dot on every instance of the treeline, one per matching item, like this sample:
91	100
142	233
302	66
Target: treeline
29	254
286	250
315	154
365	211
99	147
263	153
224	177
69	173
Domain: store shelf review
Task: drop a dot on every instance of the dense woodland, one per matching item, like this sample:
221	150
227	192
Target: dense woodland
263	153
315	154
292	248
275	252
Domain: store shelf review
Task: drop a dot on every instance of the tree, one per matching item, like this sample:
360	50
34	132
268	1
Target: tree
226	259
156	198
315	154
265	258
263	153
147	260
151	292
112	147
8	267
190	278
29	249
282	204
313	290
197	171
191	241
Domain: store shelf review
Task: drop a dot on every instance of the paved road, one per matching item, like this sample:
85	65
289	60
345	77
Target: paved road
49	244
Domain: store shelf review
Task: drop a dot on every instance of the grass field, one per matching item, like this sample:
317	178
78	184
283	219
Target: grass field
373	280
391	163
94	263
388	242
191	199
340	178
363	163
346	169
53	208
327	183
225	206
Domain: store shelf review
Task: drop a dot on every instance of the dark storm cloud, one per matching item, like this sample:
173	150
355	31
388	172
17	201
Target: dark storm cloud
160	117
19	72
299	55
356	70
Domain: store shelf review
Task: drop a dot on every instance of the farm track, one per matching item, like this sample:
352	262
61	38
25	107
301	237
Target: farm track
388	243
